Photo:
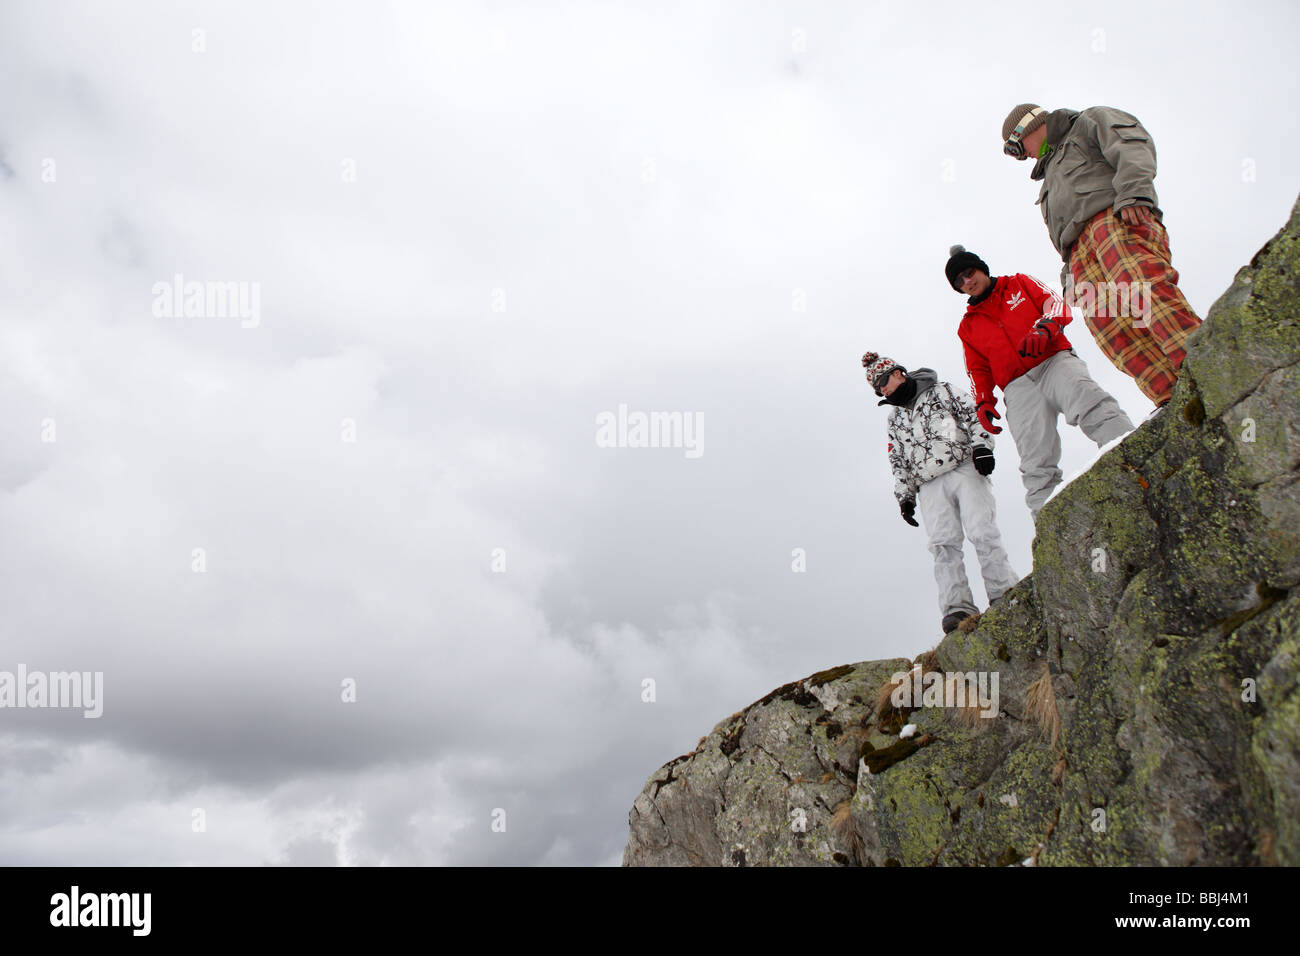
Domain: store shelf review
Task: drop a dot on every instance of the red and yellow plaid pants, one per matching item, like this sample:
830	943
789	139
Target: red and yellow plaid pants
1128	291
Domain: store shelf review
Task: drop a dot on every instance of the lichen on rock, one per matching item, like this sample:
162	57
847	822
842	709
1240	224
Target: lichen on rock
1162	610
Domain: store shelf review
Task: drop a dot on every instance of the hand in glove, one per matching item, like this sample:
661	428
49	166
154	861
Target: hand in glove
983	459
1039	339
987	411
908	507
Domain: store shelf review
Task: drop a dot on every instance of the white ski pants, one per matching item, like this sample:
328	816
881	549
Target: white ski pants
1059	386
956	500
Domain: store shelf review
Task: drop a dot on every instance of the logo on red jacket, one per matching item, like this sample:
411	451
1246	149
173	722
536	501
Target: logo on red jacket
1015	300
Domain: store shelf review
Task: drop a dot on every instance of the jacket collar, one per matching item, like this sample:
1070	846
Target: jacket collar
1058	124
925	379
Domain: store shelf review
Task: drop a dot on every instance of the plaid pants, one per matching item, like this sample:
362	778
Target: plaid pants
1128	291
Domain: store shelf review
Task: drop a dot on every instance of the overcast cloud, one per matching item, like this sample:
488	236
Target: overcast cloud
474	227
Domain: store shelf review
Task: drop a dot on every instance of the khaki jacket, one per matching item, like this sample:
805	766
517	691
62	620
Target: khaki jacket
1101	158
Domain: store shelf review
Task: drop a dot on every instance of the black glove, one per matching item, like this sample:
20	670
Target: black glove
908	507
1039	339
983	459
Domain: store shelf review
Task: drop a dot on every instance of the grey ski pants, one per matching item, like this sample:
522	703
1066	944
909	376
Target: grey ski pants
957	499
1059	386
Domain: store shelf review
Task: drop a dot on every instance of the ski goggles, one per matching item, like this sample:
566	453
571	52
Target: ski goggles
883	378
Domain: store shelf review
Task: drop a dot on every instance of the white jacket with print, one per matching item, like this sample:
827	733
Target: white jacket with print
933	435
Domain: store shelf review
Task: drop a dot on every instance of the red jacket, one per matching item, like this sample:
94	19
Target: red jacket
992	331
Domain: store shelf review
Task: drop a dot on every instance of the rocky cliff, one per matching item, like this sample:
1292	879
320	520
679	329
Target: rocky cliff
1147	710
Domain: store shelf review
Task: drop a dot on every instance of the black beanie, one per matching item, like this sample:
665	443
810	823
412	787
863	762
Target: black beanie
959	260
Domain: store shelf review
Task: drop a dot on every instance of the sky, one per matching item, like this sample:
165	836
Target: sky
364	583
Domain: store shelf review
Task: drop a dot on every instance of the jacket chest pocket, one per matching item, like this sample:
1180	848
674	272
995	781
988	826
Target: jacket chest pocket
1129	132
1070	158
1070	176
1082	173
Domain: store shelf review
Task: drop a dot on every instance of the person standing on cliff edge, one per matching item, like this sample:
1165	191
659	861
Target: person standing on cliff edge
1013	334
1098	201
941	458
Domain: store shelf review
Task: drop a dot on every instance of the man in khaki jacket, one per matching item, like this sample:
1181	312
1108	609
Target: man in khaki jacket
1098	201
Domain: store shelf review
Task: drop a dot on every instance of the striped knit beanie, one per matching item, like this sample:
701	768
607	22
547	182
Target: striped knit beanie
1016	115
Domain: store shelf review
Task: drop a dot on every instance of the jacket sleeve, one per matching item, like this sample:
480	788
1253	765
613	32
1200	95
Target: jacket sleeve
904	481
1127	146
1051	305
980	372
962	409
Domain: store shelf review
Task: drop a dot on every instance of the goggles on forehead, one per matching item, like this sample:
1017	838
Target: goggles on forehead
1013	147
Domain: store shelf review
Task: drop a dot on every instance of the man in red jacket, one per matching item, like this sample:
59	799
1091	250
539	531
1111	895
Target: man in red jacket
1013	335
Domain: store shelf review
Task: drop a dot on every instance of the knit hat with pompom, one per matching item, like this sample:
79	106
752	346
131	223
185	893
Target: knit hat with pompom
959	260
878	369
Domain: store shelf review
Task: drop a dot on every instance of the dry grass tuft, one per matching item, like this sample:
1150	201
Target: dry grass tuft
884	707
845	833
968	713
1264	849
842	818
970	716
1041	704
929	661
1058	771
